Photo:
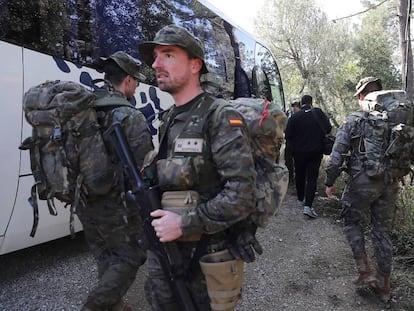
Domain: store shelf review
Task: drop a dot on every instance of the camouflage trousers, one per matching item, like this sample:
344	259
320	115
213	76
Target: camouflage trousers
370	199
112	234
157	289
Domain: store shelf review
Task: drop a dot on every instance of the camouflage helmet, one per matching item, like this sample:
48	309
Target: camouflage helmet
173	35
362	84
127	63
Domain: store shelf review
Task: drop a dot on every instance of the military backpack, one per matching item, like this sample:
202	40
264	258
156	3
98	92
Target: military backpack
384	133
266	124
68	156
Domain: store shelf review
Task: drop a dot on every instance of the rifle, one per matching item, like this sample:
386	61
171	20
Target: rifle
147	199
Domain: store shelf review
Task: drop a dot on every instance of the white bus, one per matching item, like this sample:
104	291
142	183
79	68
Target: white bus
47	40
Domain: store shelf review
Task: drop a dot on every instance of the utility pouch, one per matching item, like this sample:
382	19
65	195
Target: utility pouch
179	202
173	172
224	278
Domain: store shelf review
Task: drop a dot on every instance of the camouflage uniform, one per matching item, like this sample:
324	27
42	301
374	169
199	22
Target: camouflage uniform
224	176
219	167
111	228
363	196
372	188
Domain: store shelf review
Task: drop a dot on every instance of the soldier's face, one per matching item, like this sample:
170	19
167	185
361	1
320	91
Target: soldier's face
173	67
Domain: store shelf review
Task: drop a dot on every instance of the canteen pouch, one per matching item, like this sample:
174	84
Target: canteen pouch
179	202
224	278
176	172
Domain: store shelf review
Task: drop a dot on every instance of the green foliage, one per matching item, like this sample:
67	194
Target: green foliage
403	232
327	59
403	241
405	203
374	44
314	55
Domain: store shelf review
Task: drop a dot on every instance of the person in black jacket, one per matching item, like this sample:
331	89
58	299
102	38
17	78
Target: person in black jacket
288	149
305	136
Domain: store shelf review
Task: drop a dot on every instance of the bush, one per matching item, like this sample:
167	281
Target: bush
405	204
403	234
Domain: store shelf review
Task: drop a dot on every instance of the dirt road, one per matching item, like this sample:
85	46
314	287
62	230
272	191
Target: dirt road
306	266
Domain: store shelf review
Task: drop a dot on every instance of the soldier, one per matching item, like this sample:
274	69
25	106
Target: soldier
111	229
217	166
364	196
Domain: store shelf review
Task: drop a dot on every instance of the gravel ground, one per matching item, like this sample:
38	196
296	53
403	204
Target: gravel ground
307	265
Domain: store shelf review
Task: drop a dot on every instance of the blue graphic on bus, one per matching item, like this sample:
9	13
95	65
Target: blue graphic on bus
150	108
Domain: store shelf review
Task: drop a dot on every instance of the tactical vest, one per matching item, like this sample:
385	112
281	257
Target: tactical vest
191	152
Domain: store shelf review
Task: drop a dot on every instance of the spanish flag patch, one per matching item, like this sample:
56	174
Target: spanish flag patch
236	122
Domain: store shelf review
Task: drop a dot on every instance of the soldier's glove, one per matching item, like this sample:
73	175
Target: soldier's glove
242	242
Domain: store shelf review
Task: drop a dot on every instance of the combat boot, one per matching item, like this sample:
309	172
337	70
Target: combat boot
382	286
365	274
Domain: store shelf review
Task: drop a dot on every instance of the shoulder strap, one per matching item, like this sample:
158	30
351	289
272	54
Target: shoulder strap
359	114
108	101
106	98
216	107
355	119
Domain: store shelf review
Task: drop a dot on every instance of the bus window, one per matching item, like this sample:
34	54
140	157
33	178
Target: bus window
261	84
242	86
269	82
244	64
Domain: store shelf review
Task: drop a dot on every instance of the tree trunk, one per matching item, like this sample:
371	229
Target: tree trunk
404	9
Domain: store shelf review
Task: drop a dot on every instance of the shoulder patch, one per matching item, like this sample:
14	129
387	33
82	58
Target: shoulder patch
235	121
